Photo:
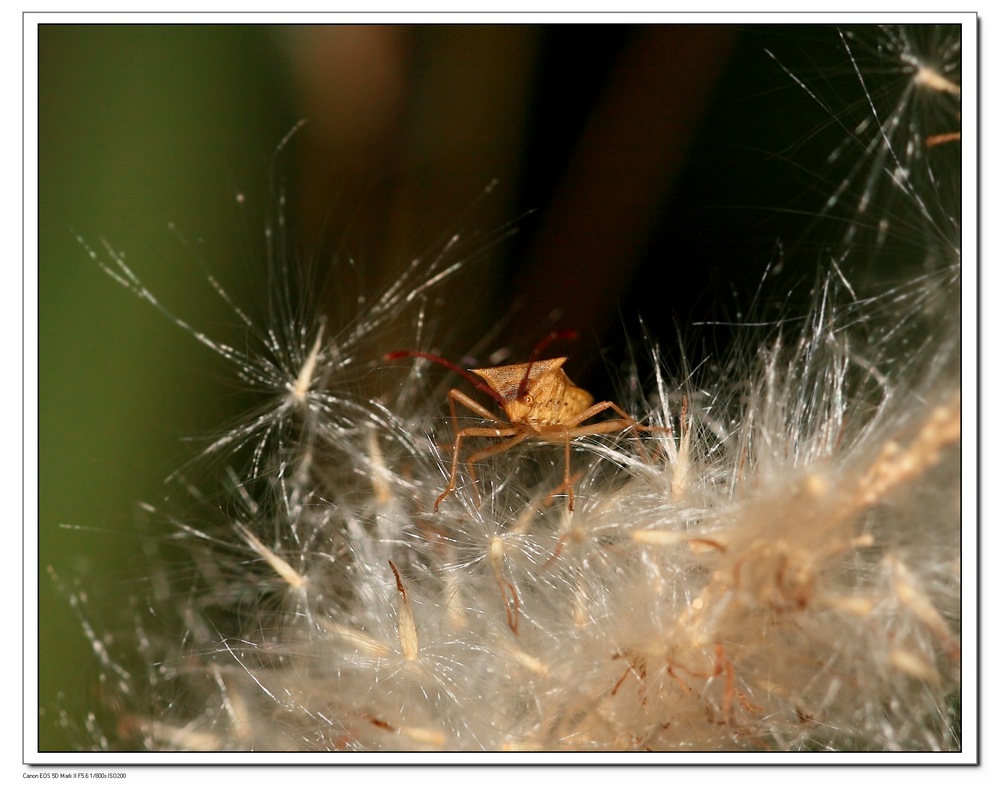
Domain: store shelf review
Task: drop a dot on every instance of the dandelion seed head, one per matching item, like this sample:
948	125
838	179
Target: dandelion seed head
765	555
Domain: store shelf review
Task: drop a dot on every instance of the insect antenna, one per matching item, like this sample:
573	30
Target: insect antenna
567	333
397	354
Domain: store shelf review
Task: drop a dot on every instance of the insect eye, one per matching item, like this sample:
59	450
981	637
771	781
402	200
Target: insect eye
527	399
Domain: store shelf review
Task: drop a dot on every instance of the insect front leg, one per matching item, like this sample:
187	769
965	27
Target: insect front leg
474	432
456	396
519	434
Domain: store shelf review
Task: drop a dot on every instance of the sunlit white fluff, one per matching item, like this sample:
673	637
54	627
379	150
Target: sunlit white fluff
778	570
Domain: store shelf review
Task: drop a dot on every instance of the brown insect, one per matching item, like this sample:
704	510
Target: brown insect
539	400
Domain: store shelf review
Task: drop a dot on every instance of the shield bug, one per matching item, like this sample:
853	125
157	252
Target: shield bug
539	401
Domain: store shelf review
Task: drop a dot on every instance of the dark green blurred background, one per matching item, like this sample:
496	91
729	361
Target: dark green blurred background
139	126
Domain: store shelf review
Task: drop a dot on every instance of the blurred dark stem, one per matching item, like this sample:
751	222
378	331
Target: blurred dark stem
612	193
409	124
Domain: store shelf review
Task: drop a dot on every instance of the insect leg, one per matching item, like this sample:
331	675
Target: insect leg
600	407
566	481
482	454
471	432
456	396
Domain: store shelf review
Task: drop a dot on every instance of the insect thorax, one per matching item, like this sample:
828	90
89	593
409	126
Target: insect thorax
549	395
